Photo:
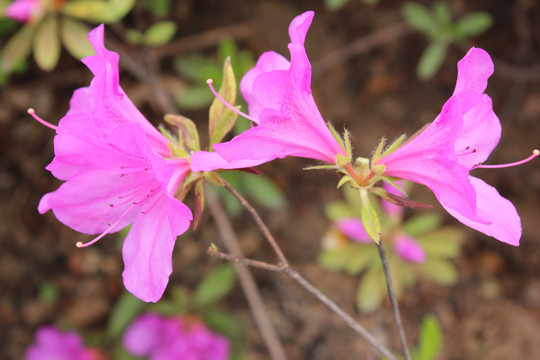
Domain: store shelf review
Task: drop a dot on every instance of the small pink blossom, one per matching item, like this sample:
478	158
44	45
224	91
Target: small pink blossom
354	229
117	172
161	338
53	344
409	249
456	142
287	121
24	10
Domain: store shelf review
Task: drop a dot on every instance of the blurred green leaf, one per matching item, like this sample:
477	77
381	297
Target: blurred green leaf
334	5
442	12
176	303
47	43
422	224
361	256
440	271
123	313
194	97
48	292
371	291
215	285
264	191
335	259
198	69
444	242
98	10
75	38
430	339
159	7
419	17
221	118
160	33
228	325
431	60
338	210
17	48
472	24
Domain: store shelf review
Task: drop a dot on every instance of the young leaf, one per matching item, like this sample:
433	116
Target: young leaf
361	257
47	44
263	191
371	290
16	49
160	33
422	224
75	38
215	286
222	118
472	24
370	219
431	60
430	339
419	17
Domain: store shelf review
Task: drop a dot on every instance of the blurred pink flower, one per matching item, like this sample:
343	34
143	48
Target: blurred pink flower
409	250
53	344
388	207
24	10
287	121
161	338
354	229
457	141
117	172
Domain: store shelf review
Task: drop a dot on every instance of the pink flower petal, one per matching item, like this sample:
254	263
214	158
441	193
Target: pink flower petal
505	223
354	229
474	71
209	161
24	10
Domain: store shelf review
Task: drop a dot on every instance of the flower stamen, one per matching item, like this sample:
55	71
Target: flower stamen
209	82
32	113
535	153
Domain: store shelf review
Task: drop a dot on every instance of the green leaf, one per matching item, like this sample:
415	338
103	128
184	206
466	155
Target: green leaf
442	13
75	38
334	5
370	219
472	24
431	60
444	242
263	191
176	303
97	10
160	33
419	17
336	259
422	224
371	291
123	313
430	339
215	285
338	210
17	49
187	129
439	270
194	97
221	118
362	255
47	43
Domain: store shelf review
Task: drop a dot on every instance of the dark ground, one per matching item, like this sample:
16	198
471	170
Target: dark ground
492	313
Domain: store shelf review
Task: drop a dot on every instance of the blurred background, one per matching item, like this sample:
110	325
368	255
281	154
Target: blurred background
380	69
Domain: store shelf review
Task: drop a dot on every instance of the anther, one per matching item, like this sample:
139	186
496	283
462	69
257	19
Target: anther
209	82
32	113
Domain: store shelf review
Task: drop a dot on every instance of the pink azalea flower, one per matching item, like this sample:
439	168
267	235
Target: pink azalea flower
409	250
288	123
160	338
117	172
354	229
53	344
456	142
24	10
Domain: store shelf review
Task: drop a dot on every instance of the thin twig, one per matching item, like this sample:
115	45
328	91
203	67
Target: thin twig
284	267
393	301
253	296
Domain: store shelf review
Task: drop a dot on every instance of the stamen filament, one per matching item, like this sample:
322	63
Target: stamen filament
535	153
80	244
209	82
32	113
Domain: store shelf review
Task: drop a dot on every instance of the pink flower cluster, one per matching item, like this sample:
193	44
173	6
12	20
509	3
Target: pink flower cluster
53	344
161	338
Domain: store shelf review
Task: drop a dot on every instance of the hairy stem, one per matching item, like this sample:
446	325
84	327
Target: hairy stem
393	301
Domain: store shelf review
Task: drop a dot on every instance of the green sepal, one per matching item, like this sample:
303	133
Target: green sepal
335	134
17	48
47	44
345	179
221	118
342	161
392	182
187	131
378	151
214	179
198	208
394	146
370	219
75	38
348	146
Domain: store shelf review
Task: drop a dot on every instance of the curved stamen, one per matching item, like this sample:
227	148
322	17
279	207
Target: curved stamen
32	113
209	82
535	153
80	244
